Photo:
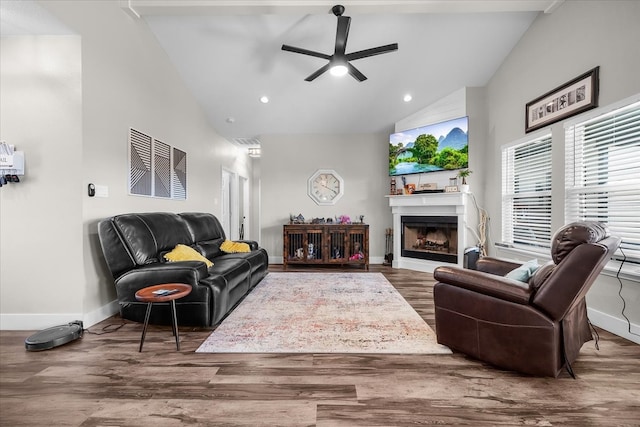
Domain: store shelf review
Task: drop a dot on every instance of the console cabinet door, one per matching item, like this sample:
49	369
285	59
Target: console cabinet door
338	244
358	244
302	244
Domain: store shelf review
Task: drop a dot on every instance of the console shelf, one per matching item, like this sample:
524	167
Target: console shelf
338	244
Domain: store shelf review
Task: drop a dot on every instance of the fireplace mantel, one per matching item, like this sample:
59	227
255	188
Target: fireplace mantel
429	204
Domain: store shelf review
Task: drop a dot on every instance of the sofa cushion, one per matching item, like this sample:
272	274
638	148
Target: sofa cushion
148	234
185	253
203	226
210	248
236	272
257	259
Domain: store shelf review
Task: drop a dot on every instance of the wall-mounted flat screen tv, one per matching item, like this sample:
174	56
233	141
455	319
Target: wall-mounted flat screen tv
432	148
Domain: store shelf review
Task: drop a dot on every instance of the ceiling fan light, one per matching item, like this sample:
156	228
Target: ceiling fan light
338	70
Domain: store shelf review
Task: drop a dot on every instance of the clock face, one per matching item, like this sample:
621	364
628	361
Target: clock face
325	187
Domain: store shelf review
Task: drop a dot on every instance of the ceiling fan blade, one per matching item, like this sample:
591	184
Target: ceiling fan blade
342	33
356	73
305	51
320	71
372	52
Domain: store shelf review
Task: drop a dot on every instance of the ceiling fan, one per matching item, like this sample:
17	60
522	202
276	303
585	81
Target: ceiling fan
339	62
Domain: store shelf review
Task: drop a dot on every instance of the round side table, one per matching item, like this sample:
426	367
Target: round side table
165	292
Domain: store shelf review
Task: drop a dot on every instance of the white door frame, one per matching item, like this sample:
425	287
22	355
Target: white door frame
244	208
229	195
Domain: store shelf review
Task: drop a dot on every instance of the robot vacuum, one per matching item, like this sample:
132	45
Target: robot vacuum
54	337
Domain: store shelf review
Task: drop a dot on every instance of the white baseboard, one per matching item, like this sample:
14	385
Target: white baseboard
38	321
614	325
104	312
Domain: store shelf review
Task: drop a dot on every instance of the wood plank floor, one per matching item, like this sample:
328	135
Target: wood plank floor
102	380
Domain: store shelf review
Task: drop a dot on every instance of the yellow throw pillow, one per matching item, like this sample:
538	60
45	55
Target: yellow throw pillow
233	247
186	253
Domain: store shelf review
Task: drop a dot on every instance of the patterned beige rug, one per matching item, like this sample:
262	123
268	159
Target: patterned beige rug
323	313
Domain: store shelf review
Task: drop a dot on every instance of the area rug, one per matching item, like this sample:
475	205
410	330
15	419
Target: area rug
323	313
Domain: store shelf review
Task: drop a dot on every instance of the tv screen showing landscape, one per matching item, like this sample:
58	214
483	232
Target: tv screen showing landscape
431	148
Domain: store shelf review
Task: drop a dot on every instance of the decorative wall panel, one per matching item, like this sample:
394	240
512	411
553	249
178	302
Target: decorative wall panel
139	163
161	169
179	175
155	168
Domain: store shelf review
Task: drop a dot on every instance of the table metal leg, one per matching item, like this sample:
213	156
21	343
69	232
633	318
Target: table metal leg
146	323
175	323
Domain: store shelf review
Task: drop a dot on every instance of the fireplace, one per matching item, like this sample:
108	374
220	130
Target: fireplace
429	230
432	238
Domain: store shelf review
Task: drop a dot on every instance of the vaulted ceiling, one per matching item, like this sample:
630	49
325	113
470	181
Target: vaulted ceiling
229	55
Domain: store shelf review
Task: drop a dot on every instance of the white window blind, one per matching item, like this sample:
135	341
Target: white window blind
602	180
526	193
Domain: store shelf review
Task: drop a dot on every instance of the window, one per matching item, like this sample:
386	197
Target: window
602	180
526	193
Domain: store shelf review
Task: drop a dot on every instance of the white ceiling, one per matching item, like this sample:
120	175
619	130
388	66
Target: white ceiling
229	55
27	18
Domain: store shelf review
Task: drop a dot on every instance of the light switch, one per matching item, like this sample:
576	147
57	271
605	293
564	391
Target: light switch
102	191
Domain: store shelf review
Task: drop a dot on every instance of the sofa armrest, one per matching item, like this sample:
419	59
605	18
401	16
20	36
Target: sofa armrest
484	283
252	244
189	272
497	266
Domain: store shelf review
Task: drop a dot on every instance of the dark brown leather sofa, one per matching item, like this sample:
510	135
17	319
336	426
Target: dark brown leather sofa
537	327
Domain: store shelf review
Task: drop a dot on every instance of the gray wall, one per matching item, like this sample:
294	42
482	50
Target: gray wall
288	161
575	38
41	217
70	109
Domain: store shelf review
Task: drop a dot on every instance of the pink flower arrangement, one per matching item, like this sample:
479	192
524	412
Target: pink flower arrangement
344	219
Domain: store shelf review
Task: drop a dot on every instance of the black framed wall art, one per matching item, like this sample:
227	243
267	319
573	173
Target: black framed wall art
569	99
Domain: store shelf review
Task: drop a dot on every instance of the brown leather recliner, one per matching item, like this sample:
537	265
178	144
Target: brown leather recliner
537	327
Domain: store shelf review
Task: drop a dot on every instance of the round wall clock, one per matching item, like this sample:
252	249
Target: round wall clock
325	187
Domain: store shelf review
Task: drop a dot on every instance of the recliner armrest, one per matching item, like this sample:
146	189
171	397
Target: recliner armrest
484	283
497	266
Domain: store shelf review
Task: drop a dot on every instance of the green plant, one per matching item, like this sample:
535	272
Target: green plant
464	173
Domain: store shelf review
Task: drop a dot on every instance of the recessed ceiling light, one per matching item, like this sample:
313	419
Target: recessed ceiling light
407	98
230	120
264	99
